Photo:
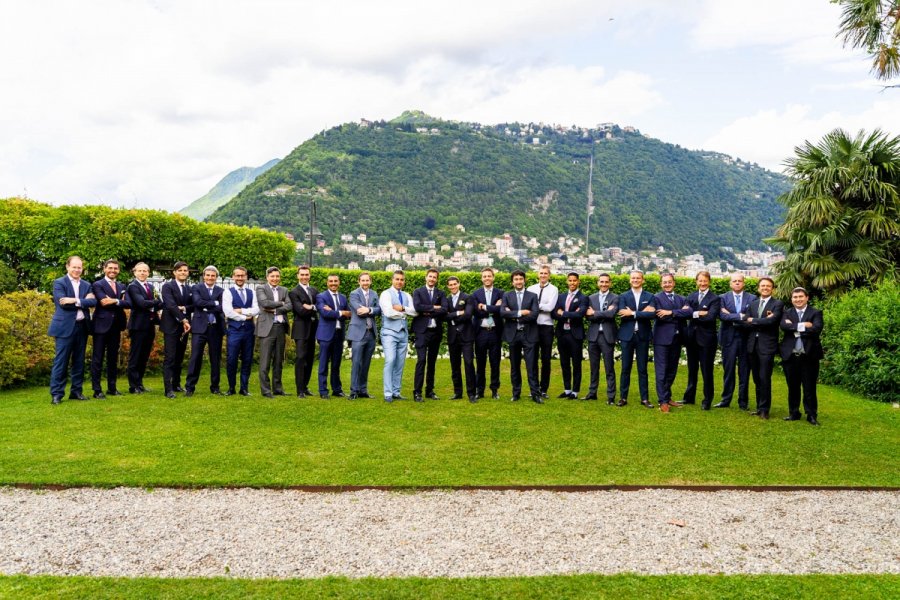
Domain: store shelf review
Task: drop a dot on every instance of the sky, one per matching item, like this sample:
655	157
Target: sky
148	103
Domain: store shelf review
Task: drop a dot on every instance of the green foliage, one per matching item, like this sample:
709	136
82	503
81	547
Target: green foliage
862	342
224	190
36	239
8	279
874	26
391	182
26	351
842	227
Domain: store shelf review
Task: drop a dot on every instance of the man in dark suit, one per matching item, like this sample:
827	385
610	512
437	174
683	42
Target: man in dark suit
428	327
70	326
801	352
362	334
334	310
762	319
141	325
460	340
668	336
207	329
602	335
303	332
548	297
701	340
239	306
569	315
733	341
175	324
519	309
271	329
637	309
488	324
109	323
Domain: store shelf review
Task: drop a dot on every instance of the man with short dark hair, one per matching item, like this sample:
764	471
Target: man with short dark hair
602	334
428	327
306	320
569	315
142	324
637	309
488	323
109	323
548	297
396	306
763	319
271	329
362	334
668	336
700	340
239	305
70	326
334	310
801	352
207	330
175	324
520	310
733	340
460	340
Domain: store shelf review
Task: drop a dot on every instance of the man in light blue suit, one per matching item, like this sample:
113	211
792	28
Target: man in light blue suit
70	325
396	306
362	335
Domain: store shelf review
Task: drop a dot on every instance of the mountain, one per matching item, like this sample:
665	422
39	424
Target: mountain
419	177
224	191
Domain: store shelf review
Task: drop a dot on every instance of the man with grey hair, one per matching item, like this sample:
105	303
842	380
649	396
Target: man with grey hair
207	329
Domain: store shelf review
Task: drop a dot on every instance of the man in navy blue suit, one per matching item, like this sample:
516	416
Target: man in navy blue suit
637	309
763	320
109	322
239	306
701	340
175	324
334	310
733	341
488	324
428	327
207	329
569	315
520	311
668	336
602	334
141	326
70	326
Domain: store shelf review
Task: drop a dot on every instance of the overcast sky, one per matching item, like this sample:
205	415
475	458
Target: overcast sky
149	103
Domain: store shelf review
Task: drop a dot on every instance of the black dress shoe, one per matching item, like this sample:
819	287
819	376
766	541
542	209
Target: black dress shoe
495	395
188	393
743	407
353	396
514	399
537	399
686	401
398	397
177	388
229	392
573	396
99	395
77	396
279	393
611	402
473	399
170	395
764	415
622	402
646	404
118	393
134	390
456	397
704	406
590	397
216	392
308	392
432	396
271	395
812	421
143	389
338	395
792	418
301	395
418	398
545	396
324	396
56	400
563	395
247	393
721	405
364	395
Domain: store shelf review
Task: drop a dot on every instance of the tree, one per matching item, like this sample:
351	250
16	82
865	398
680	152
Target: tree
874	25
843	214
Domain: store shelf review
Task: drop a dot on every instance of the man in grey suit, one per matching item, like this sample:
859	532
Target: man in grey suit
362	335
271	327
602	335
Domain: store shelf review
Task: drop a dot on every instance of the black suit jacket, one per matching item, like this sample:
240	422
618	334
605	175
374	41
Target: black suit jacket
702	330
811	343
425	309
604	314
510	308
574	317
112	317
143	307
305	320
205	305
172	298
762	336
492	309
459	327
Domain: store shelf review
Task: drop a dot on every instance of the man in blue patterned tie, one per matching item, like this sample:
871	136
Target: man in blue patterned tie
396	306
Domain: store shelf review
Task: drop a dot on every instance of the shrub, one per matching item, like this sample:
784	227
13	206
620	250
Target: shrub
862	342
26	351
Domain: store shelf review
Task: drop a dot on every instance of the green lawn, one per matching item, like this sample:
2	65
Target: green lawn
871	587
209	440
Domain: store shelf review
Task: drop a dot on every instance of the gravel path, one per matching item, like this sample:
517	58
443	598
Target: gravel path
264	533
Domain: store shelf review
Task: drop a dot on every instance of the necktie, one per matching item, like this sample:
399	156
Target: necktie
798	343
148	289
337	307
700	297
541	296
431	295
519	299
569	301
181	289
112	285
737	303
400	296
762	307
671	298
242	296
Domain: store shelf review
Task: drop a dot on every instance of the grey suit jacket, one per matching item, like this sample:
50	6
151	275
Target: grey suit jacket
266	303
603	315
357	328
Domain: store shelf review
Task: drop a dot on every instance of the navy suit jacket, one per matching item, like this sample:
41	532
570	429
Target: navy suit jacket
574	317
644	318
425	309
492	309
62	324
110	317
510	308
143	307
172	298
732	329
669	330
459	328
206	304
702	330
330	318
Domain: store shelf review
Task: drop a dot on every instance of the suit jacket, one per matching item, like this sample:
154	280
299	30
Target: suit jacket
574	317
305	319
425	309
62	324
811	343
358	324
143	307
702	330
459	327
265	300
604	314
172	298
206	304
762	336
492	309
644	319
330	318
510	308
112	317
670	330
732	324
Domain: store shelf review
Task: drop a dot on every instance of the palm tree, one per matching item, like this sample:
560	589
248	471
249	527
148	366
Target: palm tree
842	227
874	25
